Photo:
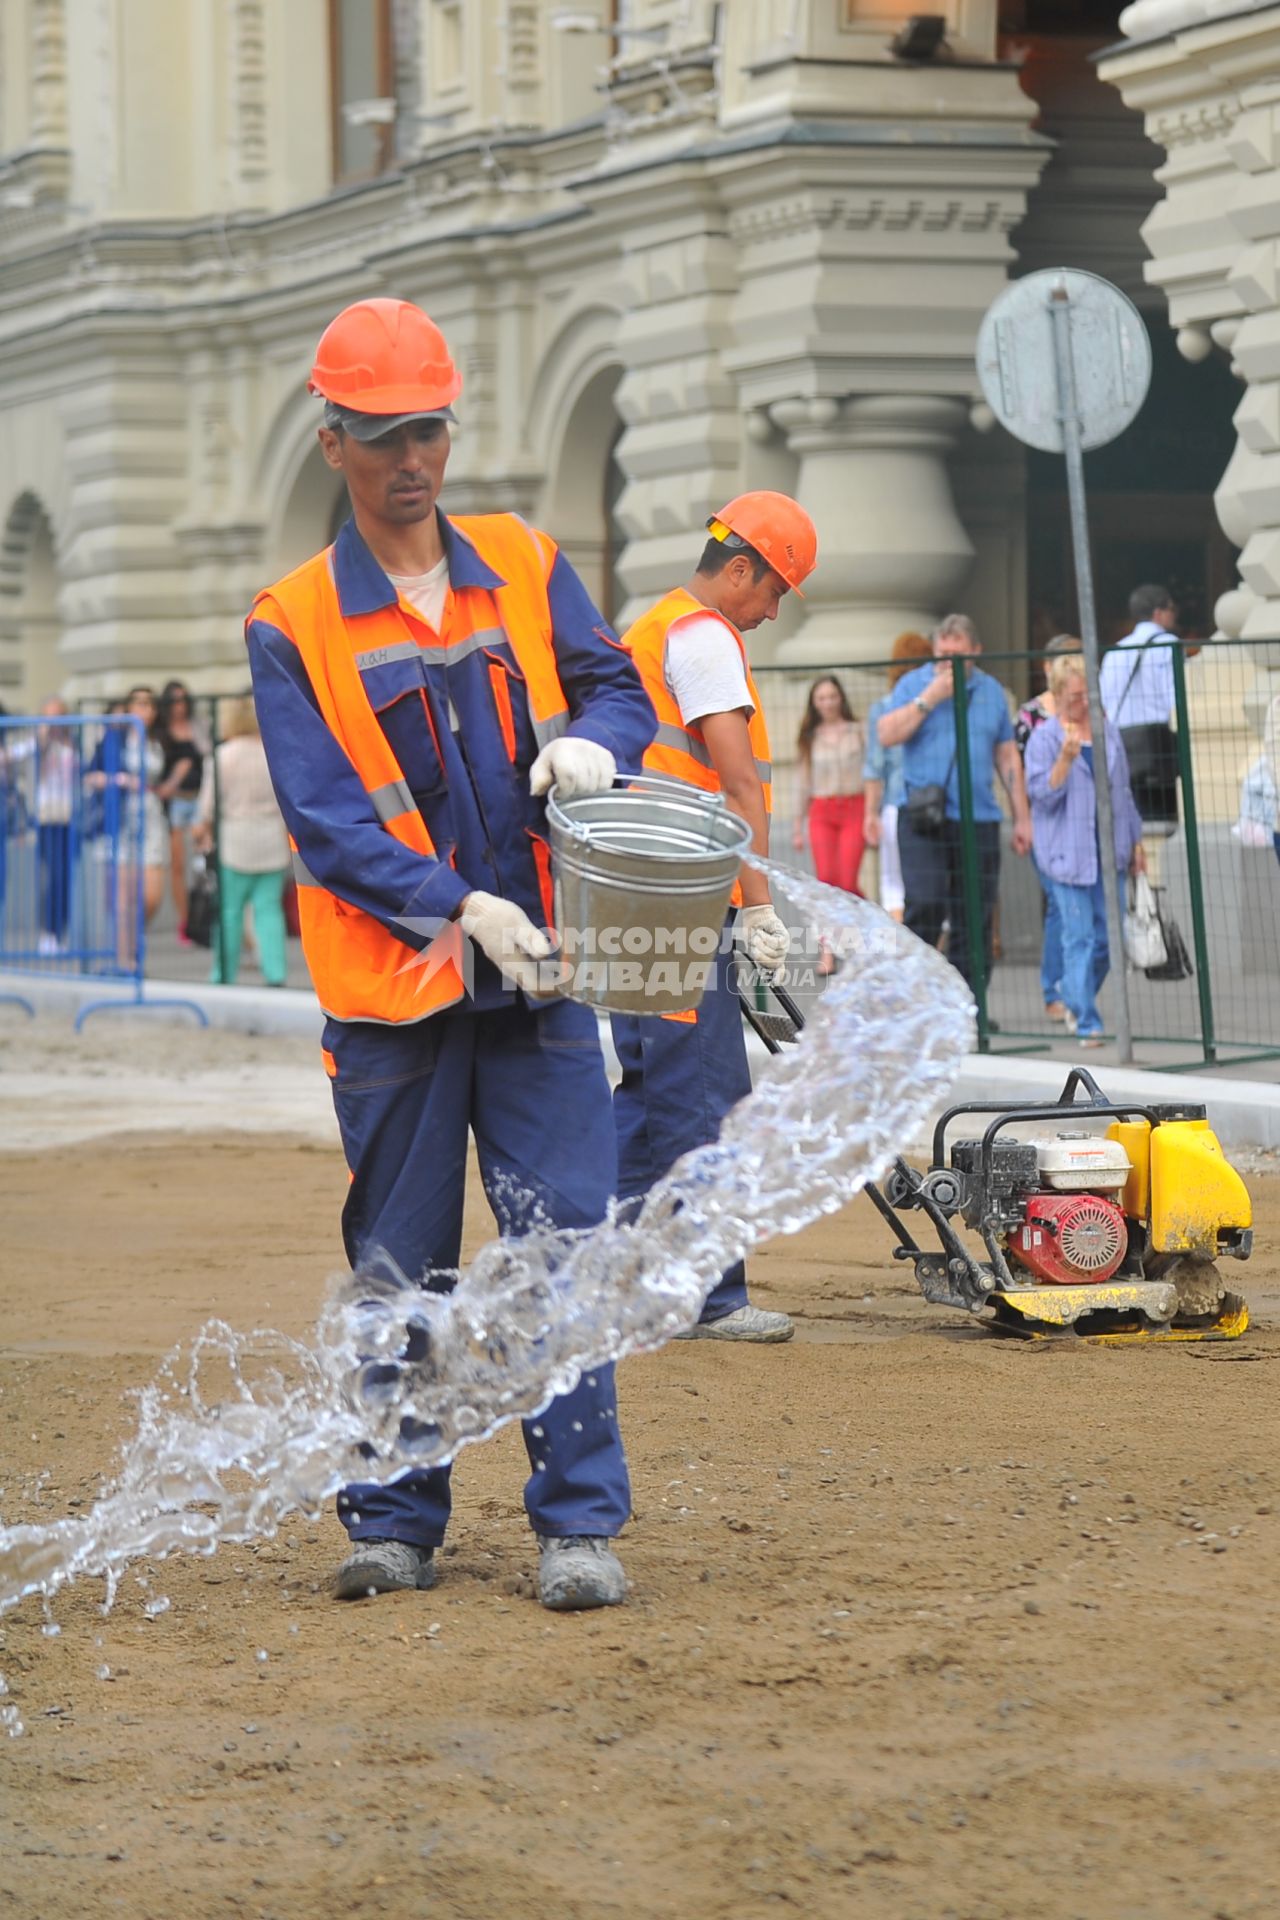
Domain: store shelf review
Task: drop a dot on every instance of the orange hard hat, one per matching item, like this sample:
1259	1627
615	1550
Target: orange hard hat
780	531
385	357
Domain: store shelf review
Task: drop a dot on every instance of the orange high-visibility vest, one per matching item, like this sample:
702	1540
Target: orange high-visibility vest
678	749
359	970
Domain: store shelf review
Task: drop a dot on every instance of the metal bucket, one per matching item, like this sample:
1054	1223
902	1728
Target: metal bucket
643	875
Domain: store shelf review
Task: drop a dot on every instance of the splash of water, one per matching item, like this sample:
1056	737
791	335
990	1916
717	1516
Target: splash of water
239	1430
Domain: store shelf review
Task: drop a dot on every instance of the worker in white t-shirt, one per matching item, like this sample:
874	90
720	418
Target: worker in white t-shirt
681	1073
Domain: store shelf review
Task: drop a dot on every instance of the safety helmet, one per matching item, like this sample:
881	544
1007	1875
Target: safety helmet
385	357
780	532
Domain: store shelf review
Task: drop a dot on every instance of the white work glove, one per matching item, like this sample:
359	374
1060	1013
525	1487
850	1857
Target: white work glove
507	936
765	938
575	766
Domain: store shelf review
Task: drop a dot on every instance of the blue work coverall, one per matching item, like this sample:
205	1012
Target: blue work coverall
528	1082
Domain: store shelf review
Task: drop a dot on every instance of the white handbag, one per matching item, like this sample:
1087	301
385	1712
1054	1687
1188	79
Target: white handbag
1143	935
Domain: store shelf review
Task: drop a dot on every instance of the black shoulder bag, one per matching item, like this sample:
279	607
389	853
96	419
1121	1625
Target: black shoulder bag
1152	752
926	807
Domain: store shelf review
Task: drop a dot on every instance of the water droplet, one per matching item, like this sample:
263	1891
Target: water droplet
51	1629
161	1604
576	1425
262	1656
104	1671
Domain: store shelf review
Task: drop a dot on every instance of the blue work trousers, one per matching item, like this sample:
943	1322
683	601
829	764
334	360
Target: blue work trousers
532	1089
680	1077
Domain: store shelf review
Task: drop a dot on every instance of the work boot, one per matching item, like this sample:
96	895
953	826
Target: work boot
384	1566
577	1572
744	1323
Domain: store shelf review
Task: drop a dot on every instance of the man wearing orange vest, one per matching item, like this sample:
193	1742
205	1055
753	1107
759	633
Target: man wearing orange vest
681	1073
420	686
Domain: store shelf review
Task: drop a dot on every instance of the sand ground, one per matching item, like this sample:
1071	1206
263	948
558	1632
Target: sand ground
924	1625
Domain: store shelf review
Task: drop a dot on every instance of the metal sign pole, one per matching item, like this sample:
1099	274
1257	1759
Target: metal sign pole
1069	413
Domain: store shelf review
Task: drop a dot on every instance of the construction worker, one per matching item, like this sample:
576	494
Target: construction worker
420	685
682	1072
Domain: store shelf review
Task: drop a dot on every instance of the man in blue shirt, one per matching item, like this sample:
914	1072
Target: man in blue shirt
921	720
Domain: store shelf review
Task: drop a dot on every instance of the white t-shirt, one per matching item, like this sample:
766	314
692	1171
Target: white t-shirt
425	592
704	670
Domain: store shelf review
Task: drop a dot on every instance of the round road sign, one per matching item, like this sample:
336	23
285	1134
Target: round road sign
1110	355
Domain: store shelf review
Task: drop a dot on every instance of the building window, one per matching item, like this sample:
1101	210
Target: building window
363	87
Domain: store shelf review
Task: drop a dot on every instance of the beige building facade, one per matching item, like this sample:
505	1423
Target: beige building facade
678	249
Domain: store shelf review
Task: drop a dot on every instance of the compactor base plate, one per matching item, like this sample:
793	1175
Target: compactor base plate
1118	1313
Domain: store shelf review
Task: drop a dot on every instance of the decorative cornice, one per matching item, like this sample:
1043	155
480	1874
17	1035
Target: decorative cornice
1193	124
886	213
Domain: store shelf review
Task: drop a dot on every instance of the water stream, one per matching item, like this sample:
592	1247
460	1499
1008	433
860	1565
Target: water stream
238	1430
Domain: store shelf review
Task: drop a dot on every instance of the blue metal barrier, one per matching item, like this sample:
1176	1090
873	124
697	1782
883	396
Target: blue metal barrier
78	825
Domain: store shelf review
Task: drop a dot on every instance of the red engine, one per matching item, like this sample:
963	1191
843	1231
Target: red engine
1068	1238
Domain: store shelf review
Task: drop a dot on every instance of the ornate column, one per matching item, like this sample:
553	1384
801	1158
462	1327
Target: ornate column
1209	91
873	474
682	428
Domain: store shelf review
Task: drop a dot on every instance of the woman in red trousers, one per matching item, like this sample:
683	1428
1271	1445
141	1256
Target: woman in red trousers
831	748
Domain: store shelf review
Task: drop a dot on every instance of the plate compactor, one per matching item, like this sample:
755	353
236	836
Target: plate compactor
1099	1220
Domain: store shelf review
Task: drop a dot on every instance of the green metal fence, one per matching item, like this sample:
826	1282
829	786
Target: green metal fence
1215	862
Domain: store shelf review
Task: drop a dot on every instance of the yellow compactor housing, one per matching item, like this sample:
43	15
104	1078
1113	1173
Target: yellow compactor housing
1182	1186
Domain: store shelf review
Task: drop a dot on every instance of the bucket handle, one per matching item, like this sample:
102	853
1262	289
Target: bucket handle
578	830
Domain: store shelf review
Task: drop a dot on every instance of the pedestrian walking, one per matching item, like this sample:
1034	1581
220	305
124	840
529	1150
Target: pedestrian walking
1032	714
921	719
420	685
126	769
1064	812
884	788
682	1072
251	846
181	777
1137	689
50	757
830	750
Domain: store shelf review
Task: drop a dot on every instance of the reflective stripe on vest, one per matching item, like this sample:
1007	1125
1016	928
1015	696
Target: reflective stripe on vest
359	970
678	749
682	741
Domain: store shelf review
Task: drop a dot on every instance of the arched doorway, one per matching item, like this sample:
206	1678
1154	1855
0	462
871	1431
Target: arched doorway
315	507
580	509
31	667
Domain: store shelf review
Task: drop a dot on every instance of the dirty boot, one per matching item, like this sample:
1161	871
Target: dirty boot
744	1323
384	1566
578	1572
